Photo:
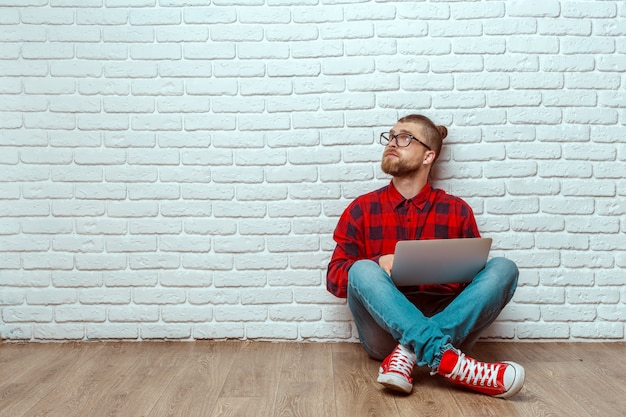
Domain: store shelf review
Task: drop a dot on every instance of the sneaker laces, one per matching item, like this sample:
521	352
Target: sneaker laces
401	362
473	372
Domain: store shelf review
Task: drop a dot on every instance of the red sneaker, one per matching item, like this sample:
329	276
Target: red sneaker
395	371
498	379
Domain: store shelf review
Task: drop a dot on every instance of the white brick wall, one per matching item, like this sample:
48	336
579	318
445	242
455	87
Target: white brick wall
174	169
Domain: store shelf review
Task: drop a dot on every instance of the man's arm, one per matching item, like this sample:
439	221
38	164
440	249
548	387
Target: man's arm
350	238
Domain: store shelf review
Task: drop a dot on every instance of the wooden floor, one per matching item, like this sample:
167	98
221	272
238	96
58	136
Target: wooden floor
257	379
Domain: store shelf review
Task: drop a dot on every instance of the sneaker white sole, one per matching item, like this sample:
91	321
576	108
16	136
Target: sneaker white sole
518	382
394	382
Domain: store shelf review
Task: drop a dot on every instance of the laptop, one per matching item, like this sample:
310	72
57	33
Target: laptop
439	261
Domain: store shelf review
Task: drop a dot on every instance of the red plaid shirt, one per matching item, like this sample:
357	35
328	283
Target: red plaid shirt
373	223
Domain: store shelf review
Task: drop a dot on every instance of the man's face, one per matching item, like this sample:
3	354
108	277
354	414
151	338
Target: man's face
400	161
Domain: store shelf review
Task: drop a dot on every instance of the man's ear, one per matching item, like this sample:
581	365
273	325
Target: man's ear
429	158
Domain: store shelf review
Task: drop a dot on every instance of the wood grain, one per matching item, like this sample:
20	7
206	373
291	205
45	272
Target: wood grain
243	379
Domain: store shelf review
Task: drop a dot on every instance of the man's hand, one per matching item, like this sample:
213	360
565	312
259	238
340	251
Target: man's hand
386	262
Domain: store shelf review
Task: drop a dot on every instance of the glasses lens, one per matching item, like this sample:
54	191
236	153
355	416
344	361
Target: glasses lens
384	139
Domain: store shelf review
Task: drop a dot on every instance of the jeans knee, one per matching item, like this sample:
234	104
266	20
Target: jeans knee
507	273
361	272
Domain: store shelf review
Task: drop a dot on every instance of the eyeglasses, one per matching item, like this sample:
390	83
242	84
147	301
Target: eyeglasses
402	140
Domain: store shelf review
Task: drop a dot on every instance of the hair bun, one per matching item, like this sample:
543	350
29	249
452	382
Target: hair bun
443	131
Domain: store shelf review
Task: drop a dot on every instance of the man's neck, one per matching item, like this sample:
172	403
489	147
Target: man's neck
410	186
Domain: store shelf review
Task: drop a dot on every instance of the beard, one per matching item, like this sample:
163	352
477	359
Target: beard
398	167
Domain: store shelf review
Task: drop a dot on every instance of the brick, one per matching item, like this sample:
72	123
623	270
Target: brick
17	332
562	241
580	99
271	87
82	244
100	16
586	80
287	33
593	188
588	46
170	332
574	151
10	297
535	116
511	206
271	331
461	28
79	313
93	262
209	15
506	63
186	314
226	330
161	51
62	332
538	259
147	17
318	49
602	331
201	51
567	277
131	278
558	205
225	313
149	226
113	331
587	225
20	314
23	278
334	331
613	313
131	244
76	279
10	16
35	16
510	26
584	10
158	296
153	261
476	11
568	63
565	27
534	8
236	33
74	34
552	331
356	31
51	226
75	105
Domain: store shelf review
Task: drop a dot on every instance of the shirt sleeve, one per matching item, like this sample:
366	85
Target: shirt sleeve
469	228
350	247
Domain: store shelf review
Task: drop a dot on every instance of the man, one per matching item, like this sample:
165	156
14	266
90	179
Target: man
428	325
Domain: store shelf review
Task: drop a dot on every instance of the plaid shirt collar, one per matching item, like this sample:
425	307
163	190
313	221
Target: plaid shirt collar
396	199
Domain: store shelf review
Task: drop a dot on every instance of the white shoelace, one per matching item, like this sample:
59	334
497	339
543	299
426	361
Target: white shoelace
475	373
401	362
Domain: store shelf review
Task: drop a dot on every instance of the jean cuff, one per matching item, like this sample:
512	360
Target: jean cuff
437	360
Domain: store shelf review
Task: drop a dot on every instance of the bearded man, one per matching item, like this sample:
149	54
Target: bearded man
426	325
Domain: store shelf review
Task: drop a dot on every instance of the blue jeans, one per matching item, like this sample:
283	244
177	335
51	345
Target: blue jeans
427	323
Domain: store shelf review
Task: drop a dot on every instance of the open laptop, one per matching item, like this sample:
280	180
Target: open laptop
439	261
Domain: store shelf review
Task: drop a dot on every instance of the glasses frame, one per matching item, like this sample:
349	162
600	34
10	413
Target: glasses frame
388	137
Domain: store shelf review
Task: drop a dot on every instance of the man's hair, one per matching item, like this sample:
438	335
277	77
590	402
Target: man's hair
433	134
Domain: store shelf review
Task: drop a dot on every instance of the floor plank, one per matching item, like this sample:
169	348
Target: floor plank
306	385
38	381
202	375
356	393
